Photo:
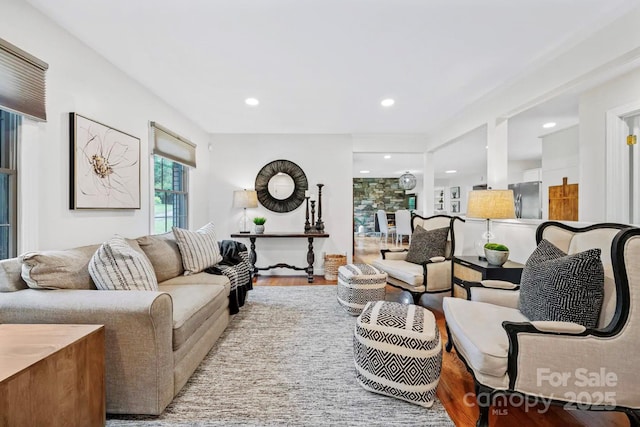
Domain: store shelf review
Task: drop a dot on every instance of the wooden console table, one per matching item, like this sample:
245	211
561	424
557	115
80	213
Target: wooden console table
310	255
52	375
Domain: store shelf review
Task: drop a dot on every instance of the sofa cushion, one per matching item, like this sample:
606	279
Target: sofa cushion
164	254
426	244
564	288
10	275
118	266
478	333
66	269
200	279
199	249
410	276
193	305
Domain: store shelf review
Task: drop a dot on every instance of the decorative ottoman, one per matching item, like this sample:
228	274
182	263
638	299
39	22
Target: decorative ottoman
397	351
359	284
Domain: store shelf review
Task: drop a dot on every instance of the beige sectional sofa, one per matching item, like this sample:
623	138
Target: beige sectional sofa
154	340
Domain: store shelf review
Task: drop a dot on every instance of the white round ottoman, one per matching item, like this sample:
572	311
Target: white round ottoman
397	351
359	284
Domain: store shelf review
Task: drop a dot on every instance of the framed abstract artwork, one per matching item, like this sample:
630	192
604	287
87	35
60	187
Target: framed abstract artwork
104	166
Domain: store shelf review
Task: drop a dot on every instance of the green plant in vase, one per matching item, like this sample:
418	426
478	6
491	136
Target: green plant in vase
259	222
496	253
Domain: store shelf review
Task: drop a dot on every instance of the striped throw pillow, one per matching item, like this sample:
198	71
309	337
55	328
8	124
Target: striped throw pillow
199	249
117	266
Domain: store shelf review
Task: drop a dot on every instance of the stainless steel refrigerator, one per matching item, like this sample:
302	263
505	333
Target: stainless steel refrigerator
528	199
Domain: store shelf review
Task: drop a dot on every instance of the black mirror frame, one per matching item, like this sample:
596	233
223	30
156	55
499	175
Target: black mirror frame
299	181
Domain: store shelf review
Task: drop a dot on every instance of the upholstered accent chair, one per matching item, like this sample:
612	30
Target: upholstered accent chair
556	362
432	276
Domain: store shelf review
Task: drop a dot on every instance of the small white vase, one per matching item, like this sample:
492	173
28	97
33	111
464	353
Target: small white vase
259	228
496	257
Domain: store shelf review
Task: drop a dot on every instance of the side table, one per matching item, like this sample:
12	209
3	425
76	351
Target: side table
471	269
310	255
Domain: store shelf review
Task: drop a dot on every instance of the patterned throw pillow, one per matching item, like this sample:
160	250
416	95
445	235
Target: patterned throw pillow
117	266
560	287
426	244
199	249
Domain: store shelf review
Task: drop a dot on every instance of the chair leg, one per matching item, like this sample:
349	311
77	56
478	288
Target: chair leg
484	405
634	417
449	346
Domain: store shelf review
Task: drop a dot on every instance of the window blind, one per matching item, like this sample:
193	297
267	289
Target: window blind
22	82
172	146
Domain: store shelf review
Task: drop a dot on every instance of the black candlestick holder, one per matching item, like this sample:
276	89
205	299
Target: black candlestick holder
307	225
319	223
313	216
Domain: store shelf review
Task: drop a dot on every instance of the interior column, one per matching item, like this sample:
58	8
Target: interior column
497	154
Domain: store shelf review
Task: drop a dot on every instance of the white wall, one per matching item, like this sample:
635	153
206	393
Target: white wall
518	235
560	158
593	106
326	159
522	170
466	183
79	80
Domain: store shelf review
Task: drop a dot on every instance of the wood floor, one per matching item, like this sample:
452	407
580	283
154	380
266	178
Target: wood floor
455	381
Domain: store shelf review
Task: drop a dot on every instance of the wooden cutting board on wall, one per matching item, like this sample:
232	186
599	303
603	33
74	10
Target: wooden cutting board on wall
563	201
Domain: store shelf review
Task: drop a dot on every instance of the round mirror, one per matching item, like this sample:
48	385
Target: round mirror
281	185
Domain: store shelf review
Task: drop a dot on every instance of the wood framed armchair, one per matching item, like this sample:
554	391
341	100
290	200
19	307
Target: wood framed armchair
434	275
554	362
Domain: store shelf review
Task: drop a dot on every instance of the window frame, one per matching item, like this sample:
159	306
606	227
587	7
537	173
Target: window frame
184	192
9	143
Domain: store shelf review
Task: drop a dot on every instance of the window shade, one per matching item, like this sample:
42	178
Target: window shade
22	82
172	146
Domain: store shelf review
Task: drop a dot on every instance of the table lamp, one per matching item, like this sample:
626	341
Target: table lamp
490	204
245	199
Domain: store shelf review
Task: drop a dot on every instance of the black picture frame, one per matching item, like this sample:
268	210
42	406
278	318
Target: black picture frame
454	192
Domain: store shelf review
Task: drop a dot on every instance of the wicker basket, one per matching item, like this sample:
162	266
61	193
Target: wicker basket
331	264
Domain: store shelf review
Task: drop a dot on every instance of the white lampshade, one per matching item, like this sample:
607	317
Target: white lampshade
245	199
491	204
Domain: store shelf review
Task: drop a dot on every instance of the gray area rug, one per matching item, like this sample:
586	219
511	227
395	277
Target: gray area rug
285	360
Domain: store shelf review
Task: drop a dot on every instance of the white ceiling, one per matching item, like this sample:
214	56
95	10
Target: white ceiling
379	167
323	66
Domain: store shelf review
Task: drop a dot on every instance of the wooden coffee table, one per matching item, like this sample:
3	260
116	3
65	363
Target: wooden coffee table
52	375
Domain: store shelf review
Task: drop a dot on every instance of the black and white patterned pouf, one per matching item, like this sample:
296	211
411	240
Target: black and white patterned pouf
359	284
397	351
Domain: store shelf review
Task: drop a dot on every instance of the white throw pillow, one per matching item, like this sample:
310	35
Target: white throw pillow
117	266
199	249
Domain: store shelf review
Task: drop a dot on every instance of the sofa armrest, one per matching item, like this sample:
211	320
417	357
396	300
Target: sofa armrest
499	284
498	292
396	254
501	297
138	338
537	349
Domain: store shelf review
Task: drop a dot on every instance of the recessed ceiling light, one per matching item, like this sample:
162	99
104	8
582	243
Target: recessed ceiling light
451	171
486	147
365	171
549	125
387	102
251	101
387	156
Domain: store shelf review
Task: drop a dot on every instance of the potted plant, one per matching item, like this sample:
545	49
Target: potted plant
259	222
496	253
